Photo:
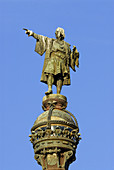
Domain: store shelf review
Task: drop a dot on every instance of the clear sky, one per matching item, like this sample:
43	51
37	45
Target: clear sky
88	24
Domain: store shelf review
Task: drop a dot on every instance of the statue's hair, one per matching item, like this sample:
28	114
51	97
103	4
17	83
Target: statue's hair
61	30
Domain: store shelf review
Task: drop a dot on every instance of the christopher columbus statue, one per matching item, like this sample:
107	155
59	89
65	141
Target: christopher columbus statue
58	59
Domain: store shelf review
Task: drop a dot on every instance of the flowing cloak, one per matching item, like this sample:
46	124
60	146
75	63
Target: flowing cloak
46	45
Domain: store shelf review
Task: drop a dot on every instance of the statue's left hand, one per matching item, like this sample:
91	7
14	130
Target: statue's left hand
77	62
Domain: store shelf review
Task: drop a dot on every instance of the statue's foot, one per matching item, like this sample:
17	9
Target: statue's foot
48	92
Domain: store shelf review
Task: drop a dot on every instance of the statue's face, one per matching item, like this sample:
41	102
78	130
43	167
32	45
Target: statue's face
60	33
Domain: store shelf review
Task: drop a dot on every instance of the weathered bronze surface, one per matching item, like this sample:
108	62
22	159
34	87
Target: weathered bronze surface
58	59
55	133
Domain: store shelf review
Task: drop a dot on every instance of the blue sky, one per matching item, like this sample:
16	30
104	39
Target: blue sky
89	25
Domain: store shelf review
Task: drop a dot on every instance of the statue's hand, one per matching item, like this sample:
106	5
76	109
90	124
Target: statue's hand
77	62
28	32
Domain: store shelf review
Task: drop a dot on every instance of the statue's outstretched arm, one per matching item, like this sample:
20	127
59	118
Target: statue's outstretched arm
31	33
28	32
41	41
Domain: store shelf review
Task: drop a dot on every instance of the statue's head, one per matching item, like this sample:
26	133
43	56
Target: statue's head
60	34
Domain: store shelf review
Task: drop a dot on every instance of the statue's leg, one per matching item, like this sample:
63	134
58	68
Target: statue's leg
50	83
59	85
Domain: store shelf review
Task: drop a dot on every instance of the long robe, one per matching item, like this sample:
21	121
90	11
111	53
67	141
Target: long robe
57	58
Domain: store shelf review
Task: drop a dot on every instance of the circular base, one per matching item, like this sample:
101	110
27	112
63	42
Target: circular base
57	100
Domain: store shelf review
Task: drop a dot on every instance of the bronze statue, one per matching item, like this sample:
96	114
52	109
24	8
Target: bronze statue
58	59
